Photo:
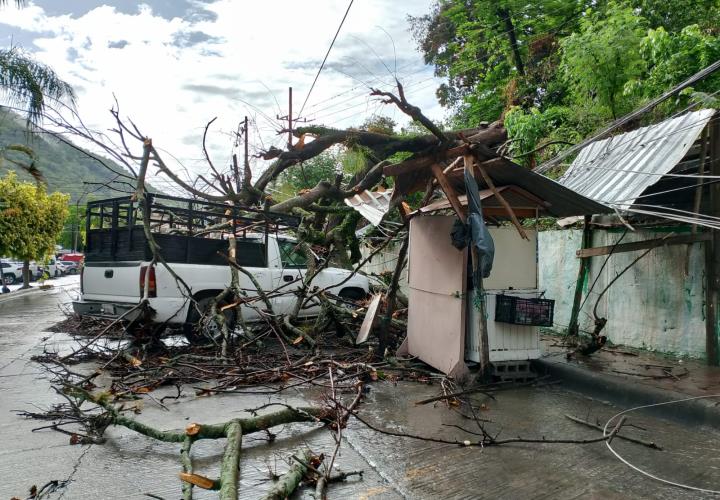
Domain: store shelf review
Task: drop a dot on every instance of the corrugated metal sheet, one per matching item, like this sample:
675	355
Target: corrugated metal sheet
615	171
561	201
373	205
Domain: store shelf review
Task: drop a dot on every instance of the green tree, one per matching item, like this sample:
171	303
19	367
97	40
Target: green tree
31	220
380	125
494	53
603	56
309	173
557	70
73	232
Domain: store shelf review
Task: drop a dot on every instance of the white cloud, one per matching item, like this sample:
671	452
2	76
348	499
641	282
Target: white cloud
173	74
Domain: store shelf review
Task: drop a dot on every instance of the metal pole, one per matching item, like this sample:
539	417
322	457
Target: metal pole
76	226
583	269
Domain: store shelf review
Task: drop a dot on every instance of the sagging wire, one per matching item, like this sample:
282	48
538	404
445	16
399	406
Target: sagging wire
638	469
599	273
621	273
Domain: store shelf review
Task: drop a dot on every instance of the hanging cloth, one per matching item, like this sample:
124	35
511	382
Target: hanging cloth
475	233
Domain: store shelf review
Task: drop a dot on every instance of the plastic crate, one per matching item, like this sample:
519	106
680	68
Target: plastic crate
524	311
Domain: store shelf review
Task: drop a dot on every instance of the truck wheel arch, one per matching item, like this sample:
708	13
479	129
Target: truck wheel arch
197	297
352	293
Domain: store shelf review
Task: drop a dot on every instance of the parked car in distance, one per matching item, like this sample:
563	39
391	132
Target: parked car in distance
11	272
67	266
74	257
50	267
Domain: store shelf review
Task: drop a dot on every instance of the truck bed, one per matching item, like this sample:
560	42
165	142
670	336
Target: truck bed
129	244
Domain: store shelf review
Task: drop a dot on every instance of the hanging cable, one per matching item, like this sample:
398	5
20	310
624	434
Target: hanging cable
322	65
638	469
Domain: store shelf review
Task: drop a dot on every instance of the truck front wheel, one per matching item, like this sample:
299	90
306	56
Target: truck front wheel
199	328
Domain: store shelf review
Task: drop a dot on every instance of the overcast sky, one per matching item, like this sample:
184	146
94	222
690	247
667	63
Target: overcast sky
175	64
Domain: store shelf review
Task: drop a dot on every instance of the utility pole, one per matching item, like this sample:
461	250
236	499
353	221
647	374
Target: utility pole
290	119
244	180
236	173
76	228
247	174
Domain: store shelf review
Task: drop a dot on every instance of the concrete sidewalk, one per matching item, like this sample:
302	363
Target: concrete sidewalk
632	377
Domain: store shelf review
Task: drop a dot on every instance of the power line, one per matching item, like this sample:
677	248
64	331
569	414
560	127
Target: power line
629	117
325	58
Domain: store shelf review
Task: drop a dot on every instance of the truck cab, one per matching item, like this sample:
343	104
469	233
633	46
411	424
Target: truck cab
119	263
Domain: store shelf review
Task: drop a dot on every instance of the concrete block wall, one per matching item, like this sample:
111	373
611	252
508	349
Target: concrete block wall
658	304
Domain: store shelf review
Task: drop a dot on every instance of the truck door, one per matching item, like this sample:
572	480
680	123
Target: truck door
288	272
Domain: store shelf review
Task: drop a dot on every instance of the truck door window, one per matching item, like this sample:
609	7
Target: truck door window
250	253
291	255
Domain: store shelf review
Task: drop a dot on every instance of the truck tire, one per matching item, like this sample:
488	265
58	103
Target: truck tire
192	329
9	279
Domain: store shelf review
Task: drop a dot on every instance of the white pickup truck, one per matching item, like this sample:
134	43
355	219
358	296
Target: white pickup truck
112	288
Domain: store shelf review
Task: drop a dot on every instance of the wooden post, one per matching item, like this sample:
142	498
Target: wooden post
236	172
484	341
583	270
712	256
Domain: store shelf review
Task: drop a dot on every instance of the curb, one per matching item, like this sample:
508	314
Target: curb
628	393
8	297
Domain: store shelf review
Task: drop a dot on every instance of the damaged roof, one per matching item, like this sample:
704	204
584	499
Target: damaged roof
556	200
617	170
373	205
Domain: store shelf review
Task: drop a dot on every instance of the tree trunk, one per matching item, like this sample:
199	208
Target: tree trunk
510	31
26	274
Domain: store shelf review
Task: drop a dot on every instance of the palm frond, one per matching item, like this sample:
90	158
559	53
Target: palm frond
29	84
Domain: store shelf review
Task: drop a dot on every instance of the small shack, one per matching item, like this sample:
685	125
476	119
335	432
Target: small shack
450	320
663	183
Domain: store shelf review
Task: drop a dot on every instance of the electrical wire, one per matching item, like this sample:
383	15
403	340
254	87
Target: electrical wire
459	67
322	65
700	75
638	469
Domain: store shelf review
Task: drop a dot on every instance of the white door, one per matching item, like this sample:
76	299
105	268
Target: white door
436	315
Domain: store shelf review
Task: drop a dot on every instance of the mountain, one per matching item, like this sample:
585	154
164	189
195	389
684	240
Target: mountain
64	167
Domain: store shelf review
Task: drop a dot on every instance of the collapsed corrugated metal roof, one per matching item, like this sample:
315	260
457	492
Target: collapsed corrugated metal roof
617	170
373	205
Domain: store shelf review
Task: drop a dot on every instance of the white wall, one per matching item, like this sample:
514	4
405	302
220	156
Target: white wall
656	304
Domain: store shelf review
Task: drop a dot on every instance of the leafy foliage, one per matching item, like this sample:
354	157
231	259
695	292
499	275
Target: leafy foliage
603	56
31	220
380	125
29	85
571	66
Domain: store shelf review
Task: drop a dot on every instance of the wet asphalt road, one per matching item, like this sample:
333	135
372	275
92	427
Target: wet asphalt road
130	465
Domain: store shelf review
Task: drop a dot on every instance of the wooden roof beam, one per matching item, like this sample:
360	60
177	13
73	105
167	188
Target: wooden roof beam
449	191
502	201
